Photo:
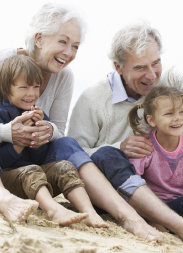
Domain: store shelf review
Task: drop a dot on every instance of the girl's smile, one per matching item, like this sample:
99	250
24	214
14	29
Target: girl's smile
167	120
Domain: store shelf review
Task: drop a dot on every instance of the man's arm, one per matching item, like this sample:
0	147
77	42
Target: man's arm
136	146
86	126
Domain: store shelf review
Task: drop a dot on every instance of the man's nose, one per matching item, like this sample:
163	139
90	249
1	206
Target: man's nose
151	75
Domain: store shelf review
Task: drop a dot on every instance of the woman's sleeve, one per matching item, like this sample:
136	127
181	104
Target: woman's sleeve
5	132
60	107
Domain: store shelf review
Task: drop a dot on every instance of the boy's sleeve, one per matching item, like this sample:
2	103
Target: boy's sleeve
8	154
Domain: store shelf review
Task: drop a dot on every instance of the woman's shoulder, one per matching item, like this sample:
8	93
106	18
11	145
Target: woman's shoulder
5	53
65	73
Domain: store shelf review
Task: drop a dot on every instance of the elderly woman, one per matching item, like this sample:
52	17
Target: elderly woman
53	40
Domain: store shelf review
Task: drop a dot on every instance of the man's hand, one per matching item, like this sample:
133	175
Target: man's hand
136	146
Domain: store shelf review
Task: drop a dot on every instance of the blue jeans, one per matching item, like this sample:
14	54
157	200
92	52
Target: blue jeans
115	166
176	205
66	148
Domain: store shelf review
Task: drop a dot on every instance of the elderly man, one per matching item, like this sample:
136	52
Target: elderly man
99	119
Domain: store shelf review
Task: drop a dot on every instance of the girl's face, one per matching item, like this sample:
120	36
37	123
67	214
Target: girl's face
22	95
55	52
168	117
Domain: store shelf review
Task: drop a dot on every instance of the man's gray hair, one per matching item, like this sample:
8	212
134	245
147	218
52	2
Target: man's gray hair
133	39
47	22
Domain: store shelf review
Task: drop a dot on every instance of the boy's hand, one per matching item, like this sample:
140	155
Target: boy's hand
28	122
38	114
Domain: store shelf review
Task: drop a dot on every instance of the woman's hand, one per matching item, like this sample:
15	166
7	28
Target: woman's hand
136	146
23	135
42	135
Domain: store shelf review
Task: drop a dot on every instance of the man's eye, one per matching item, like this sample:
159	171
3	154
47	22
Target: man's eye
62	41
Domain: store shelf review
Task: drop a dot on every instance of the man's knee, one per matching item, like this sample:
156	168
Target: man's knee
108	151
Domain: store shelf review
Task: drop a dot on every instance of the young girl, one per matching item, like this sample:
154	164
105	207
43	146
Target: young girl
39	172
163	169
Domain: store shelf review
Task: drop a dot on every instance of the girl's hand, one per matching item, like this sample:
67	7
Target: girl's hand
38	113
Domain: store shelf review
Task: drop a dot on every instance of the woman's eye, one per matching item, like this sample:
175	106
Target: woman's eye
76	47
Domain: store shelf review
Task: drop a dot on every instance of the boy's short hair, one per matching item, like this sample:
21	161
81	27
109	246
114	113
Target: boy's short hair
12	68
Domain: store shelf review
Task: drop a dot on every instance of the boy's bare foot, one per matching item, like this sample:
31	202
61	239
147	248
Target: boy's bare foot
94	220
14	208
64	217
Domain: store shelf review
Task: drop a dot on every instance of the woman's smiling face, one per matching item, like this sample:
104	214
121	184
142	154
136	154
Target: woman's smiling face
55	52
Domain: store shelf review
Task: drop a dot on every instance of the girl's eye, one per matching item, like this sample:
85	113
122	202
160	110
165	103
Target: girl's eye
37	86
23	87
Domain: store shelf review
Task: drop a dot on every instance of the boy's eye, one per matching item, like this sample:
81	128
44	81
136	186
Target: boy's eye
37	86
168	113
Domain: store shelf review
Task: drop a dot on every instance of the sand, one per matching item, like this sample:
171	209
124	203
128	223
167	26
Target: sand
38	235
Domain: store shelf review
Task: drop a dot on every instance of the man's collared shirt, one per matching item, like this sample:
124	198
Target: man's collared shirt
119	92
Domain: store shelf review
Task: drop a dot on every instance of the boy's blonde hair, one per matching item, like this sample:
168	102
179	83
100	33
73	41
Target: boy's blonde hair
12	68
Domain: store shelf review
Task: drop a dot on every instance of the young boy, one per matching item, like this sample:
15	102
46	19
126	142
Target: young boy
37	173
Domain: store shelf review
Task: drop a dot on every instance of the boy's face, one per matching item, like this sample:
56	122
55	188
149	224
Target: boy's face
22	95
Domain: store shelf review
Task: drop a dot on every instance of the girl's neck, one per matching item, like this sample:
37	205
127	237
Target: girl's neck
168	143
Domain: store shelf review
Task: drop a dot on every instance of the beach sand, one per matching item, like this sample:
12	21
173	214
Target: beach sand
39	235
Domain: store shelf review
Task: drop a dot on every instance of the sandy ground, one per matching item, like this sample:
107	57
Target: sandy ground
39	235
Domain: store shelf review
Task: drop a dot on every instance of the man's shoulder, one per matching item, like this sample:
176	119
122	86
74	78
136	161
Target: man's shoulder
98	89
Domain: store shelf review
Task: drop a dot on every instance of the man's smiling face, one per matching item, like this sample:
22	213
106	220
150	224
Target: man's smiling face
141	73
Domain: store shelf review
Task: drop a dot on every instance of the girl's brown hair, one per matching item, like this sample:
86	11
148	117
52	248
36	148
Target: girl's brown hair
12	68
150	105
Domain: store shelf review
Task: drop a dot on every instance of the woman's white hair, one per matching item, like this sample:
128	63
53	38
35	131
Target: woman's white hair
47	22
133	39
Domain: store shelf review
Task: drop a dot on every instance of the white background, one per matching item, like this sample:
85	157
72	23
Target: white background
104	18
